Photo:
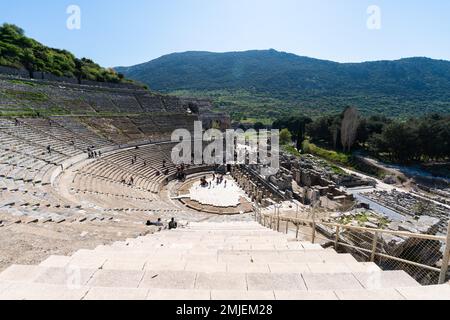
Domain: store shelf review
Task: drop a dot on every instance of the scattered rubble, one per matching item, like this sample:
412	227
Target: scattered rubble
413	206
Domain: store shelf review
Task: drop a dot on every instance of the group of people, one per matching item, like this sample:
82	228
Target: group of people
218	179
172	224
130	181
181	173
92	154
203	182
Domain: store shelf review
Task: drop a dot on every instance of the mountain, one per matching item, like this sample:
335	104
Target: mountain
21	52
268	83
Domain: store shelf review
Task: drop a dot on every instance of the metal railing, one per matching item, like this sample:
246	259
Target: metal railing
417	254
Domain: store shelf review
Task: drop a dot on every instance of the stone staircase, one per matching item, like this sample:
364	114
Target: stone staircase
218	261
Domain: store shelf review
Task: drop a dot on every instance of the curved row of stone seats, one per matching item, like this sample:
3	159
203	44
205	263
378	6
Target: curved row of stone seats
63	137
108	200
26	169
147	171
94	183
51	217
218	261
154	128
174	121
71	97
72	100
18	145
173	104
101	102
29	196
106	126
81	133
127	104
33	136
110	189
127	128
151	103
66	135
85	98
116	172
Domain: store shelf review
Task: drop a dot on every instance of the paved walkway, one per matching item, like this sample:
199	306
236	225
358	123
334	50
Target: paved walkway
219	195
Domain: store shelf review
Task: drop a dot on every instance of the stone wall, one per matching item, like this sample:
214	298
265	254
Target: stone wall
14	72
211	120
38	75
45	76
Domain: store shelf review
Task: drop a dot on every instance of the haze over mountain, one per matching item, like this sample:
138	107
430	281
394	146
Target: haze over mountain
268	83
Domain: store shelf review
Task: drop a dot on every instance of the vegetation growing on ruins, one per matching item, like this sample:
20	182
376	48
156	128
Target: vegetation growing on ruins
26	95
331	155
285	136
20	52
271	84
292	150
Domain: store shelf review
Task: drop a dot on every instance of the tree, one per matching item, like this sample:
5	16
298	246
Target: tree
349	128
259	126
21	52
335	134
400	140
29	61
319	130
285	137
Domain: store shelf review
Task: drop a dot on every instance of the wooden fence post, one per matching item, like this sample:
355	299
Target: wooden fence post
446	258
336	242
313	237
374	246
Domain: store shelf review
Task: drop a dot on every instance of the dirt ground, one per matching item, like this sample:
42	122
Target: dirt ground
30	244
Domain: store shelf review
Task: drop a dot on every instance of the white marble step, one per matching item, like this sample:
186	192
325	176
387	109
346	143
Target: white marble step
98	257
138	262
207	279
36	291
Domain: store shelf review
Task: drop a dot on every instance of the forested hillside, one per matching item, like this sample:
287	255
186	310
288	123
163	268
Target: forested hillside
270	84
21	52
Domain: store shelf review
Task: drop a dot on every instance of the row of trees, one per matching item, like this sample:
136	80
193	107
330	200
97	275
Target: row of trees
19	51
416	139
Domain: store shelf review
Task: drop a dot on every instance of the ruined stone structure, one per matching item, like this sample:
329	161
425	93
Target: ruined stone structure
255	188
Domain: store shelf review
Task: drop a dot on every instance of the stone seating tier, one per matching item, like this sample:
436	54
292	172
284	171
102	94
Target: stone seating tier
85	99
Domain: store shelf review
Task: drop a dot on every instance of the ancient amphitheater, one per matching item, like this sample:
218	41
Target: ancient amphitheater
77	190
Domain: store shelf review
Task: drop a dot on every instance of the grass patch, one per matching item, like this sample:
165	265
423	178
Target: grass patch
291	150
24	82
337	170
18	113
264	121
330	155
26	95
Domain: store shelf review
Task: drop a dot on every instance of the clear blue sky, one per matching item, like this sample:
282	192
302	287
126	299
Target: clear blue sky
127	32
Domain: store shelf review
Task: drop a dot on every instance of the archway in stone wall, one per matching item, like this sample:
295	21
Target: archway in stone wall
193	108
